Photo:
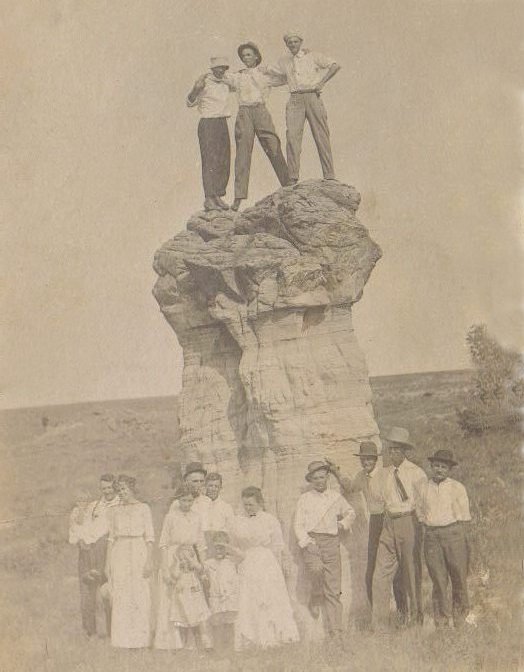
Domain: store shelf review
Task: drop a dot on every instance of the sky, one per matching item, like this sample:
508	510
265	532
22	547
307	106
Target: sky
101	166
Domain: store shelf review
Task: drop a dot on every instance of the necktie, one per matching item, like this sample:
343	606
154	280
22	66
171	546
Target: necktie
400	487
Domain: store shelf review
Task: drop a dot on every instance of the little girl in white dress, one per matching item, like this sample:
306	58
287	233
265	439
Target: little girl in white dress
188	610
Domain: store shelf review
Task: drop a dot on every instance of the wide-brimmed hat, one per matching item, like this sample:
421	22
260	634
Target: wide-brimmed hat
250	45
315	466
399	435
195	467
218	62
443	455
367	449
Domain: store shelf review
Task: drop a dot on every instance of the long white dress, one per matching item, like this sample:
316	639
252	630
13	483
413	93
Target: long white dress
265	617
130	529
178	528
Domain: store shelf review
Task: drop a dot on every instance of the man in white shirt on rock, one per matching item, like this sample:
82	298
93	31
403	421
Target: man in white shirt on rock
253	85
400	541
89	529
210	95
321	515
306	72
443	508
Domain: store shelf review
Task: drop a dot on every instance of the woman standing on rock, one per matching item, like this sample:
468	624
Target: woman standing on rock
265	617
129	567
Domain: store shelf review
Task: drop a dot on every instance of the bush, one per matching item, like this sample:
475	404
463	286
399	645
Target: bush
497	395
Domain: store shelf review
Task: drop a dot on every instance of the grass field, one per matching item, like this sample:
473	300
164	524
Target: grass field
48	453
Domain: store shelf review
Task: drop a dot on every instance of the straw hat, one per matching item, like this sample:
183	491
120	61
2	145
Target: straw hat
399	435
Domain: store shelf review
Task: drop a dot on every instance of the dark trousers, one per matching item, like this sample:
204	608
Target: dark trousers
92	557
215	150
323	567
376	523
255	120
446	554
399	550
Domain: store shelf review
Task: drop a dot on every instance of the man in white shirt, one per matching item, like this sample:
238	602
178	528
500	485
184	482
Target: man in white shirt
321	515
218	514
195	479
371	469
89	529
306	73
443	508
400	539
210	95
253	85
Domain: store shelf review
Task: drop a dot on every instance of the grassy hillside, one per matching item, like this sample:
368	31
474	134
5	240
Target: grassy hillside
48	453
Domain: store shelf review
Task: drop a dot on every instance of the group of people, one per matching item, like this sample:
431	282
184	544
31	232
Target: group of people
305	72
220	582
222	577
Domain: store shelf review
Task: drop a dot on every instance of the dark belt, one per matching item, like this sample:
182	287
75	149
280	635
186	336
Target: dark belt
252	105
323	535
441	527
305	91
393	516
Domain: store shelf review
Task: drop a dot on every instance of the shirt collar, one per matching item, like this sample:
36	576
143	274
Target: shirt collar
300	54
212	77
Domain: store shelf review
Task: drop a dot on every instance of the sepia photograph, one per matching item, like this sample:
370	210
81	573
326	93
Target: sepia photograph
262	370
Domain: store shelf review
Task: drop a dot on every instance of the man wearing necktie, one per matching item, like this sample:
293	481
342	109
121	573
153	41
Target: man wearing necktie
399	546
306	72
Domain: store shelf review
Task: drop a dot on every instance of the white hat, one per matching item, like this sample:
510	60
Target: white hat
293	33
399	435
219	62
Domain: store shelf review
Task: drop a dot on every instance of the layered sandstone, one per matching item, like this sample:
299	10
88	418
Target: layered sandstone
261	304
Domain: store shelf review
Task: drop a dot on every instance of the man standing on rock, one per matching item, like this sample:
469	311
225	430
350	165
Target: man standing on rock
210	94
253	85
321	515
401	537
306	72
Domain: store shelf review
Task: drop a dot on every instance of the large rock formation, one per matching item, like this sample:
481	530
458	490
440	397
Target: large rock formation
261	304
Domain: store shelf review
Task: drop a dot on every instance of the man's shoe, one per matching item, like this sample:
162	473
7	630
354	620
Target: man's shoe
236	204
210	204
221	203
314	610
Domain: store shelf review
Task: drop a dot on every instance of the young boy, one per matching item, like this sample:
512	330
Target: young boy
221	572
443	507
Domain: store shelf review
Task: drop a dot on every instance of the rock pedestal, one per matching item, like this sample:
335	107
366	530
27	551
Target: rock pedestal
261	302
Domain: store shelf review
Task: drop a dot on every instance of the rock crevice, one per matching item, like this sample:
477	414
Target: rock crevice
261	304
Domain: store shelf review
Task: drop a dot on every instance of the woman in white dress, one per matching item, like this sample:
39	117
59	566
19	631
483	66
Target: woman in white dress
181	527
265	617
129	567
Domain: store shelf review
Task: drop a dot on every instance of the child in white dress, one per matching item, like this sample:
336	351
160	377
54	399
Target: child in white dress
188	610
222	583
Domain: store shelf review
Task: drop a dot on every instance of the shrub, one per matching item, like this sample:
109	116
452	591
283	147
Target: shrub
497	395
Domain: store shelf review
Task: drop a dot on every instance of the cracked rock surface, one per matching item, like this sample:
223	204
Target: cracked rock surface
261	302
